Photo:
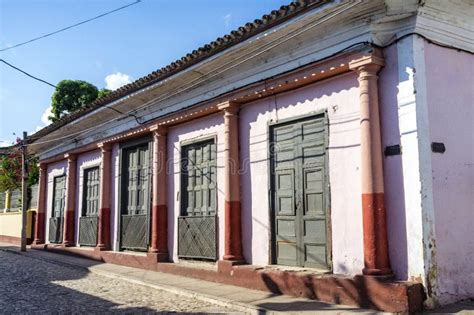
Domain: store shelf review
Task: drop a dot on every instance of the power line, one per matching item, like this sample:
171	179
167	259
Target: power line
69	27
248	56
27	74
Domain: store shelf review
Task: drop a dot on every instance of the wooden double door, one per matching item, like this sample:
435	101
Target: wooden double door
135	197
56	222
89	219
298	179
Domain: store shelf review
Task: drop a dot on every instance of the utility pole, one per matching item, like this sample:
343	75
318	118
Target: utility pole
24	188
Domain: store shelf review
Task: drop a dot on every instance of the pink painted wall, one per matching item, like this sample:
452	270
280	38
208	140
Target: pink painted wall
84	161
340	97
450	97
208	126
54	169
393	168
114	203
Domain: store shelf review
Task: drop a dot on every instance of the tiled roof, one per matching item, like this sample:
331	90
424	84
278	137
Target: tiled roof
267	21
7	150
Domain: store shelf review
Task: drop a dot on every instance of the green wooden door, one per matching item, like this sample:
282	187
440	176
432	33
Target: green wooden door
136	175
197	237
90	207
298	193
57	214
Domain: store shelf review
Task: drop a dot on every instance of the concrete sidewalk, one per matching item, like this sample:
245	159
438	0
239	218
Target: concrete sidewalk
238	298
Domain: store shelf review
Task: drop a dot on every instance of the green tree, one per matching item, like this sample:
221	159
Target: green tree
70	95
10	171
104	92
33	171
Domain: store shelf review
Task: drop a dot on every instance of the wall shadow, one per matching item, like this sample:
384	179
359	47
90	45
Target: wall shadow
393	165
37	285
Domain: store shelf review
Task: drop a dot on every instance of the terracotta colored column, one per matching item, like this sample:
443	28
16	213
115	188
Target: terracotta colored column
376	259
40	215
232	217
69	216
103	233
159	214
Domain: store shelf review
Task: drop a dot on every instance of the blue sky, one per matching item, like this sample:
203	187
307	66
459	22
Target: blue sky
123	46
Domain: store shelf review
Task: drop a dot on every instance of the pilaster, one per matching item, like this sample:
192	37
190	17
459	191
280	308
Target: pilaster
40	215
376	259
159	215
103	233
233	225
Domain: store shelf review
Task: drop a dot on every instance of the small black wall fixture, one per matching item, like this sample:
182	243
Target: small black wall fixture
438	147
393	150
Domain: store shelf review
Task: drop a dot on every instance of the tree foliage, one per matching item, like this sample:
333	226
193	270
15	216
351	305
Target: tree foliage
10	171
104	92
33	171
70	95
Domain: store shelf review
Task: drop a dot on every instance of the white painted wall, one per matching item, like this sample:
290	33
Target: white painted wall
393	165
450	99
412	128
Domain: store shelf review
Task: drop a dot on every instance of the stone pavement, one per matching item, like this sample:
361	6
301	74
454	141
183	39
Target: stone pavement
35	286
145	291
115	288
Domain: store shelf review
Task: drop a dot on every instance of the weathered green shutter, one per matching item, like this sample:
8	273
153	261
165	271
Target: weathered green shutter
197	223
313	197
285	170
298	168
199	178
135	189
90	207
57	213
91	188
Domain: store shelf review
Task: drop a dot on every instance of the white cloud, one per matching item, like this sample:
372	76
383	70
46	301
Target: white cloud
115	80
5	143
44	117
227	20
44	120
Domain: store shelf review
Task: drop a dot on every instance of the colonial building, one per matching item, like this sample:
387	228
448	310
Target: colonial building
324	150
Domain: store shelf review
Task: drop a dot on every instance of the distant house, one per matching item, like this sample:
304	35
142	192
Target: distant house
10	209
335	137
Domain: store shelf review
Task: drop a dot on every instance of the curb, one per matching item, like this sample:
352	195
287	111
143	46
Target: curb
238	306
249	309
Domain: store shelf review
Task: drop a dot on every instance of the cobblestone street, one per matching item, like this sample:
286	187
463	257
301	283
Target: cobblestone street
33	286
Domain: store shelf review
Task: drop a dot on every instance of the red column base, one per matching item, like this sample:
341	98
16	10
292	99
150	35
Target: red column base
99	248
225	266
158	257
39	228
159	230
233	232
386	272
376	259
69	229
103	241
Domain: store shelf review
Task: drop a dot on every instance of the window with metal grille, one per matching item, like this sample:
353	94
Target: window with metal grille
198	179
90	192
137	179
59	194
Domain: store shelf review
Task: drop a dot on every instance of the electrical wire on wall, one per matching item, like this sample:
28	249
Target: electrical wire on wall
205	77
